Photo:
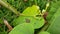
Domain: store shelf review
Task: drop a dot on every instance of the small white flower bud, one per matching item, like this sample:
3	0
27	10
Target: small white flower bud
47	5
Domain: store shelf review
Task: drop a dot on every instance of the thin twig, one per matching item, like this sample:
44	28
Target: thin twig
8	25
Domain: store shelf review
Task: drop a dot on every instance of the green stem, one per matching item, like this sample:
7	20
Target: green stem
7	5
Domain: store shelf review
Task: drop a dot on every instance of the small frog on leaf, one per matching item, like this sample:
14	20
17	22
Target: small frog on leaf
31	11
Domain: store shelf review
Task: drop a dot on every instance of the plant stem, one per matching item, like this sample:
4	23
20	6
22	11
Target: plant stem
45	27
7	5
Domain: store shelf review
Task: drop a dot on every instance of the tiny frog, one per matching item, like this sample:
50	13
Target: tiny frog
31	11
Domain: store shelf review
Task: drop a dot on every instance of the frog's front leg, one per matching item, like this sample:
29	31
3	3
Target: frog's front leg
37	17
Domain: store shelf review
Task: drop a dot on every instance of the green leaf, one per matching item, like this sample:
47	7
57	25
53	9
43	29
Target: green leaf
54	27
44	32
31	11
25	28
54	7
37	23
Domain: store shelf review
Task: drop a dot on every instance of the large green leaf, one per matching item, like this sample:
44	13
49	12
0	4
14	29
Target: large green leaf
54	7
25	28
43	32
37	23
54	27
31	11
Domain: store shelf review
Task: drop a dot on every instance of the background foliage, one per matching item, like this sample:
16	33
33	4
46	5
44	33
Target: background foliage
21	5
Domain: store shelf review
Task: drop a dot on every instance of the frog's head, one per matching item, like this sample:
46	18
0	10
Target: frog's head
36	9
32	11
